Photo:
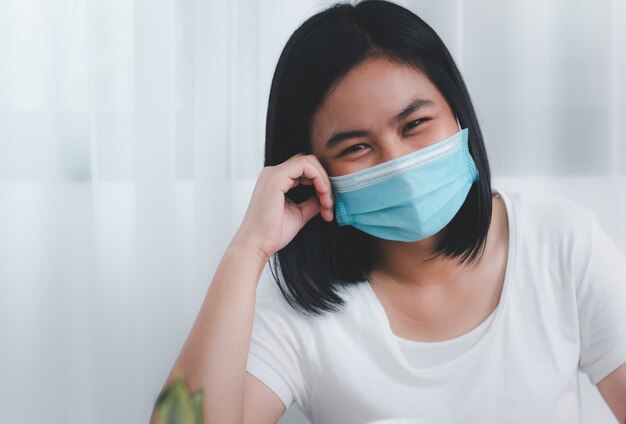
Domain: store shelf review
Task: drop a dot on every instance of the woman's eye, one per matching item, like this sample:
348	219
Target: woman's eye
413	124
354	148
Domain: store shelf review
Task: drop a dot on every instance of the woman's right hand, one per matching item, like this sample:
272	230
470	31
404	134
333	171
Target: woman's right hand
272	220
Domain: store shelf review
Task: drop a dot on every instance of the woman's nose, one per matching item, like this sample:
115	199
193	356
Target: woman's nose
393	148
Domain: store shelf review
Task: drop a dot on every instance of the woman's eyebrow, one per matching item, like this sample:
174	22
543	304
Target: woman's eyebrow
340	136
415	105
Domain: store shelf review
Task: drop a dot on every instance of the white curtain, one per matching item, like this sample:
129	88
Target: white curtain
131	135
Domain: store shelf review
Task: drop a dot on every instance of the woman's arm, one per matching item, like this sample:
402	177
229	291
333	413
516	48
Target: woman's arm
613	390
215	353
214	356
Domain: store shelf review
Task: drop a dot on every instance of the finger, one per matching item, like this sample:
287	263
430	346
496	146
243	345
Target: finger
305	181
327	212
309	208
305	170
327	201
297	155
301	169
315	161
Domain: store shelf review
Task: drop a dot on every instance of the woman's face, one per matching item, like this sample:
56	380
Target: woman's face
379	111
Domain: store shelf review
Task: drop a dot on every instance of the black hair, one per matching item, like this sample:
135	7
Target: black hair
323	256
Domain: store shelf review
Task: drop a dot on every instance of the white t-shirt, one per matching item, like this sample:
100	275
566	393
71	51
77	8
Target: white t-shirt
427	354
562	309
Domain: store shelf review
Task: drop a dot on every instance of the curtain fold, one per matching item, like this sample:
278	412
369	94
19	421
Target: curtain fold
132	133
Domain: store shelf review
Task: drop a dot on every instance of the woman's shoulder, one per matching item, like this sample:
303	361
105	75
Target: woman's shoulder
272	306
550	230
270	299
548	212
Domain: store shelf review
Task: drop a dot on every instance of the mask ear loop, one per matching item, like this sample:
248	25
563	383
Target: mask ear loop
458	123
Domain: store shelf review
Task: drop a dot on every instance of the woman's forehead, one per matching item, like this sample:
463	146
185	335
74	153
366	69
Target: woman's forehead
373	91
378	78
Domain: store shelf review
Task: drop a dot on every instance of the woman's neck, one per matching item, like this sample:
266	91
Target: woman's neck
410	265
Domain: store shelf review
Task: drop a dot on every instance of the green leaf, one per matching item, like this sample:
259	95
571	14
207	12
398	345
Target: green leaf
196	402
177	406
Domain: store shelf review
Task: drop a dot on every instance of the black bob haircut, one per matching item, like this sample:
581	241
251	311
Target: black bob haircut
324	257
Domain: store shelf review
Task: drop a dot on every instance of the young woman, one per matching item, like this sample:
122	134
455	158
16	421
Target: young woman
402	284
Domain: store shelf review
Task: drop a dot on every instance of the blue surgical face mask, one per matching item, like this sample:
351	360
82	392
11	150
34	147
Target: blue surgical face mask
411	197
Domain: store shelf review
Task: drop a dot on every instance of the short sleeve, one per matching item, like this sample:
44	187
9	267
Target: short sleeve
601	301
277	344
